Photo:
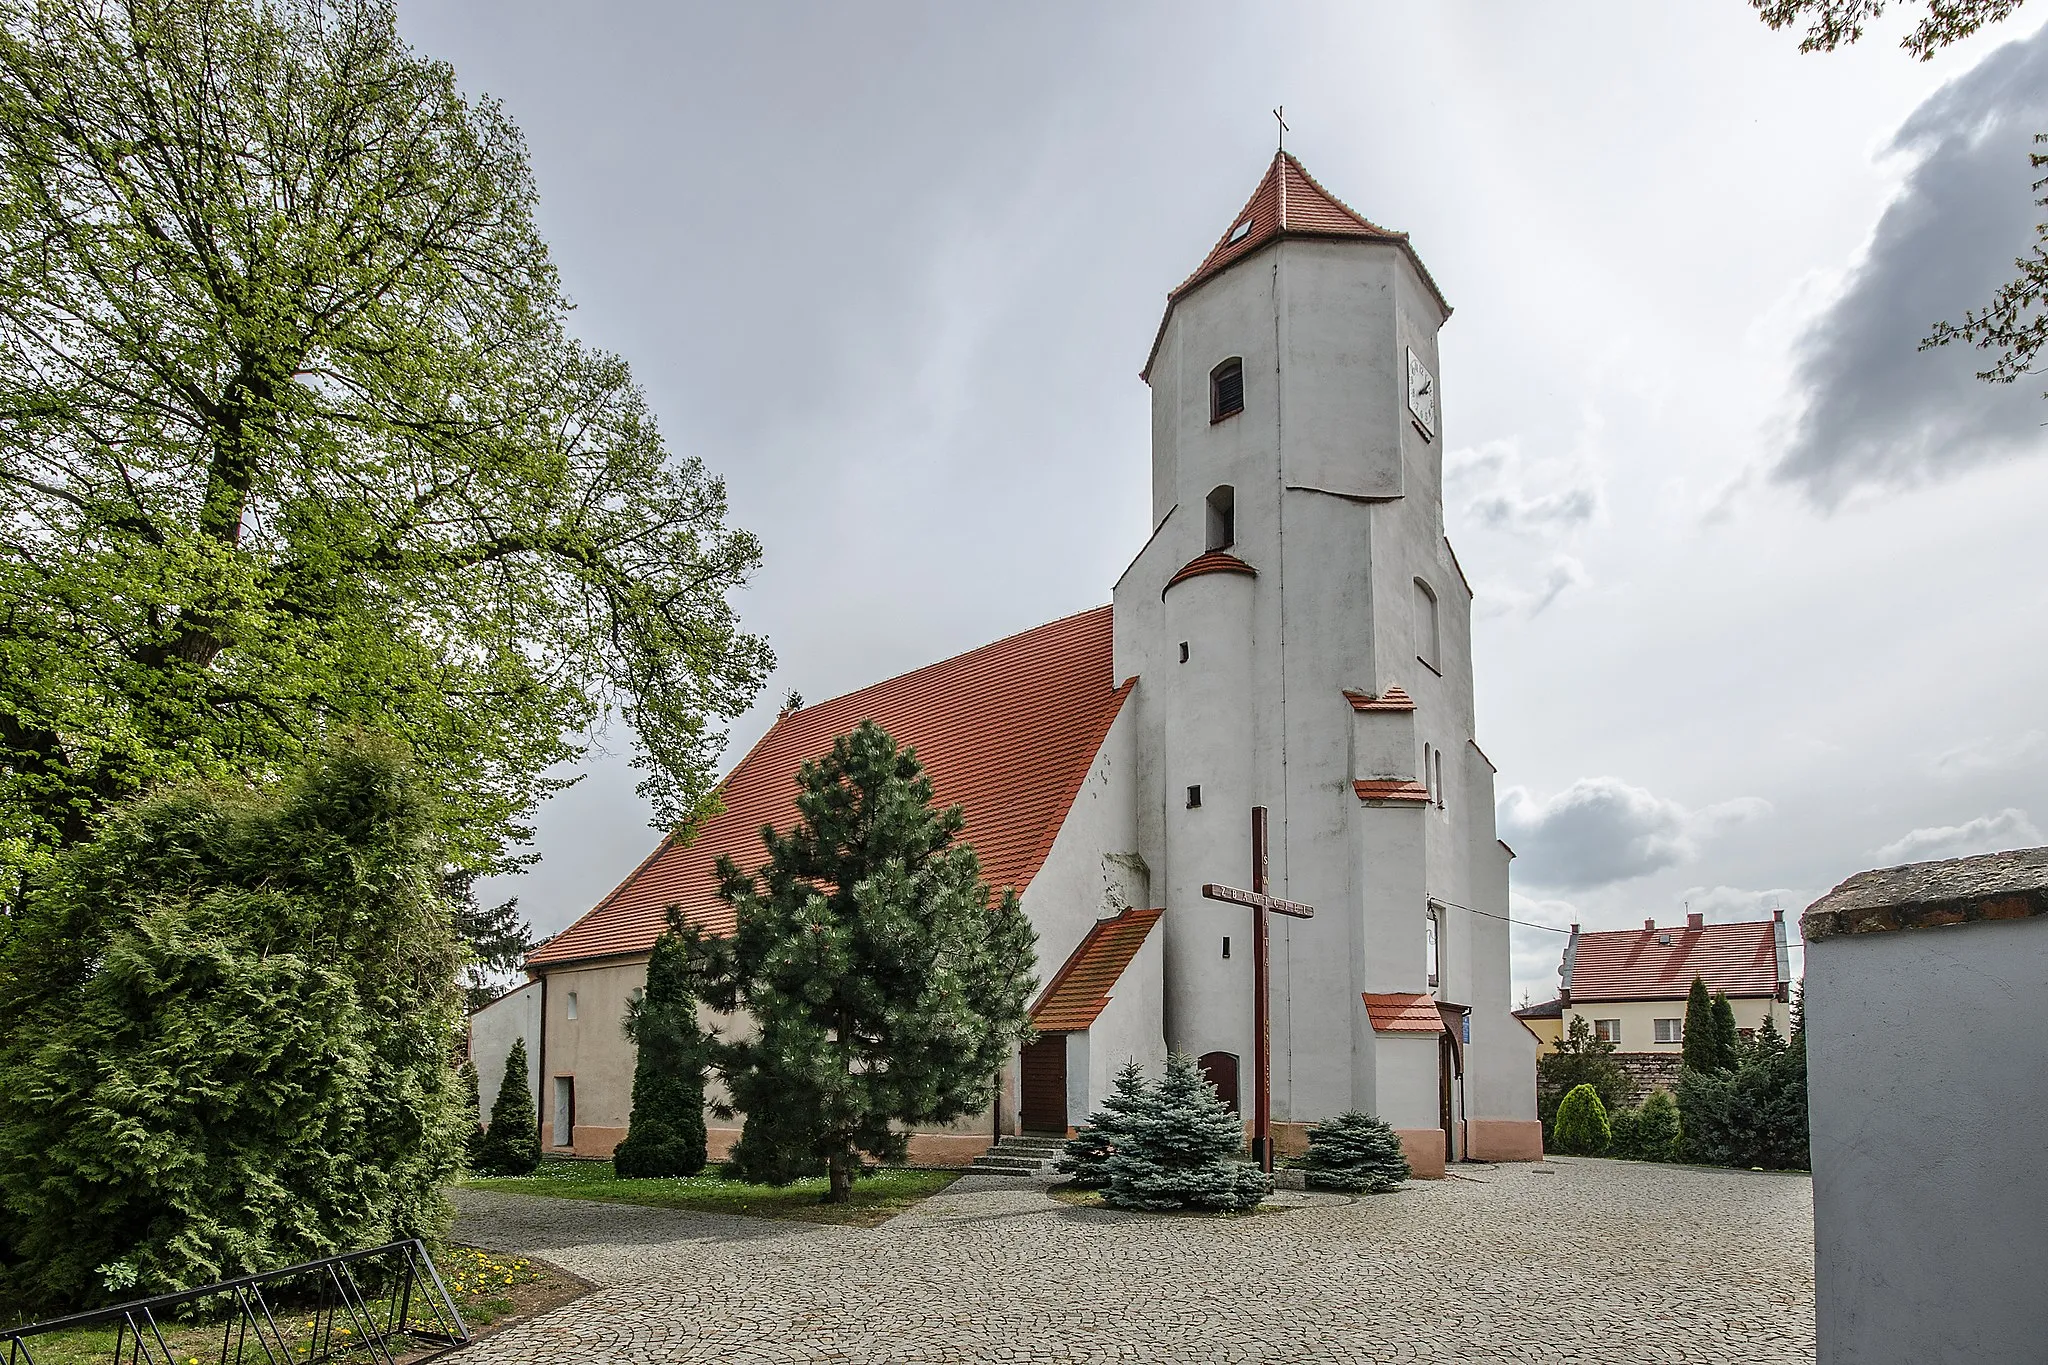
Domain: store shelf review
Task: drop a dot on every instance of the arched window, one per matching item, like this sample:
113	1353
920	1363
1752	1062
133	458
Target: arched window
1439	779
1428	638
1222	517
1226	390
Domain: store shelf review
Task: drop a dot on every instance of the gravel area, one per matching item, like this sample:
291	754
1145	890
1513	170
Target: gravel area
1576	1260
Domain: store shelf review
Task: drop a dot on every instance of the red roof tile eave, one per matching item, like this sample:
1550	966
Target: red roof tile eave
1641	999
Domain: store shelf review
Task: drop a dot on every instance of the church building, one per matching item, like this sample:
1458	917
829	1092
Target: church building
1294	635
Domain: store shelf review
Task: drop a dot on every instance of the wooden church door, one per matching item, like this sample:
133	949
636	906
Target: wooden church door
1220	1068
1044	1109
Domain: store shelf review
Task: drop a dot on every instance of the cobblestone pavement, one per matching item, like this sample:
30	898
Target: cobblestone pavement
1581	1261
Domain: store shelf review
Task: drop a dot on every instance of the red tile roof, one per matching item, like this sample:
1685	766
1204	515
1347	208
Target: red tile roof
1399	1013
1393	699
1082	986
1007	732
1630	964
1216	561
1287	203
1391	789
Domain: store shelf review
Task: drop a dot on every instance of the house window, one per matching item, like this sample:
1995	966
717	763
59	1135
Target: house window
1608	1031
1222	518
570	1004
1670	1030
1428	639
1194	796
1226	390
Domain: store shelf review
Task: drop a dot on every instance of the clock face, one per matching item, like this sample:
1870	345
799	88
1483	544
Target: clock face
1421	394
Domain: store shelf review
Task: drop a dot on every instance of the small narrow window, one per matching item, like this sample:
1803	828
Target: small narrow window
1226	390
1183	651
565	1111
1607	1030
1428	771
570	1005
1671	1030
1439	779
1428	638
1240	232
1222	517
1226	945
1194	796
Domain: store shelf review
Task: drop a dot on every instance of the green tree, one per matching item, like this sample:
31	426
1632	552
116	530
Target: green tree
1727	1037
1580	1058
498	937
1179	1149
472	1112
1356	1152
293	437
666	1133
2014	323
1700	1048
1582	1128
225	1025
884	987
1650	1131
511	1144
1086	1156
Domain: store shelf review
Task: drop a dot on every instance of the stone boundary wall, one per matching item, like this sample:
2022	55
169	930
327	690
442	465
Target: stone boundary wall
1649	1071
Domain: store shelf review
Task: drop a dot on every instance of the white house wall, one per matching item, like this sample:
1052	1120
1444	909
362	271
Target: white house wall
492	1031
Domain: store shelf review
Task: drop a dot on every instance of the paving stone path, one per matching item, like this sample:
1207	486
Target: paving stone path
1582	1261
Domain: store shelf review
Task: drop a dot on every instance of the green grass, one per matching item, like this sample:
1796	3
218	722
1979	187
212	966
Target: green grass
876	1197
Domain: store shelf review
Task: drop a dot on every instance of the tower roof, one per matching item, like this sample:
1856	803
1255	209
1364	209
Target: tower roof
1287	203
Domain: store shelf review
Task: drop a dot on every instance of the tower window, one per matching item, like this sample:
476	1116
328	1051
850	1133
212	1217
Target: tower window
1183	651
1226	945
1222	517
1428	637
1439	779
1226	390
1428	772
1194	796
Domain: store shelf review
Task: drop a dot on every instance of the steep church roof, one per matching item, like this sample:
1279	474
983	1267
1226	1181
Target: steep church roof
1287	203
1007	731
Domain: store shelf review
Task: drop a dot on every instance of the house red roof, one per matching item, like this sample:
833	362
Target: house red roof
1400	1013
1215	561
1006	731
1287	203
1634	964
1081	988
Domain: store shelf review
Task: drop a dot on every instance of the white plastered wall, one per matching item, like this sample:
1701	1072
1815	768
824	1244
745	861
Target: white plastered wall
492	1031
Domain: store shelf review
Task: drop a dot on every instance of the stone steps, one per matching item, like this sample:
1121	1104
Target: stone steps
1014	1155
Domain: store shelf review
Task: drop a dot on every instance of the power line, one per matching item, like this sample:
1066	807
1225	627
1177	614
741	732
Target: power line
1526	924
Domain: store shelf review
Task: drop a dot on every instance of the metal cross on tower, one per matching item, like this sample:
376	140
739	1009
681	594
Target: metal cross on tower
1262	1050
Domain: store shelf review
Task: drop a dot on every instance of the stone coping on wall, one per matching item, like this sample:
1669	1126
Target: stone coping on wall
1990	886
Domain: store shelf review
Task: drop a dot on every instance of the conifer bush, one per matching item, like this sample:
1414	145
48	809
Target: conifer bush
1085	1158
1179	1147
1753	1115
1648	1132
511	1144
1582	1128
665	1134
472	1113
1354	1152
225	1025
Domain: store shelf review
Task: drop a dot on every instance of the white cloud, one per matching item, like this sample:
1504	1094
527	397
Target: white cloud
1507	599
2009	828
1536	953
1601	830
1989	755
1503	490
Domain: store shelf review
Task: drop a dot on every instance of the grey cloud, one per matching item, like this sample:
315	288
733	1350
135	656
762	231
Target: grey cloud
1880	413
1601	830
1503	491
2009	828
1990	755
1563	571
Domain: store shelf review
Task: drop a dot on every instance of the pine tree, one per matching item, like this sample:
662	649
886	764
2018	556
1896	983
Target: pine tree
511	1144
1355	1152
1086	1155
472	1113
1700	1048
1179	1149
666	1134
885	989
1727	1038
1582	1128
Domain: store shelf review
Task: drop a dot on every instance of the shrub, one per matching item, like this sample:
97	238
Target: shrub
666	1134
1648	1132
1580	1059
472	1114
1754	1115
1354	1152
1582	1123
1086	1155
1179	1149
511	1145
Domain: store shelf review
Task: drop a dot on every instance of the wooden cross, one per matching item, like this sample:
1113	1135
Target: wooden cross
1260	903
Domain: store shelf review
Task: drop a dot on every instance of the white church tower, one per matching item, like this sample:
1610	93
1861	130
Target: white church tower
1302	635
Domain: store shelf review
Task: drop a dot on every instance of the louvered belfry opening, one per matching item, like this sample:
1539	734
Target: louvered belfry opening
1226	390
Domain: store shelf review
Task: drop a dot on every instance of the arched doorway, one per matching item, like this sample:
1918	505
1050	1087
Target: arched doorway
1220	1069
1044	1087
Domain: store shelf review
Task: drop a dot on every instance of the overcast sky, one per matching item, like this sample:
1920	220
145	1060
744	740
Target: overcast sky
1761	599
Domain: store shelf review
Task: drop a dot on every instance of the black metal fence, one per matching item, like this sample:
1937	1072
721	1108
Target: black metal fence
380	1306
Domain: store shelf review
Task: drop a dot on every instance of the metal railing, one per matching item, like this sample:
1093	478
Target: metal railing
378	1306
